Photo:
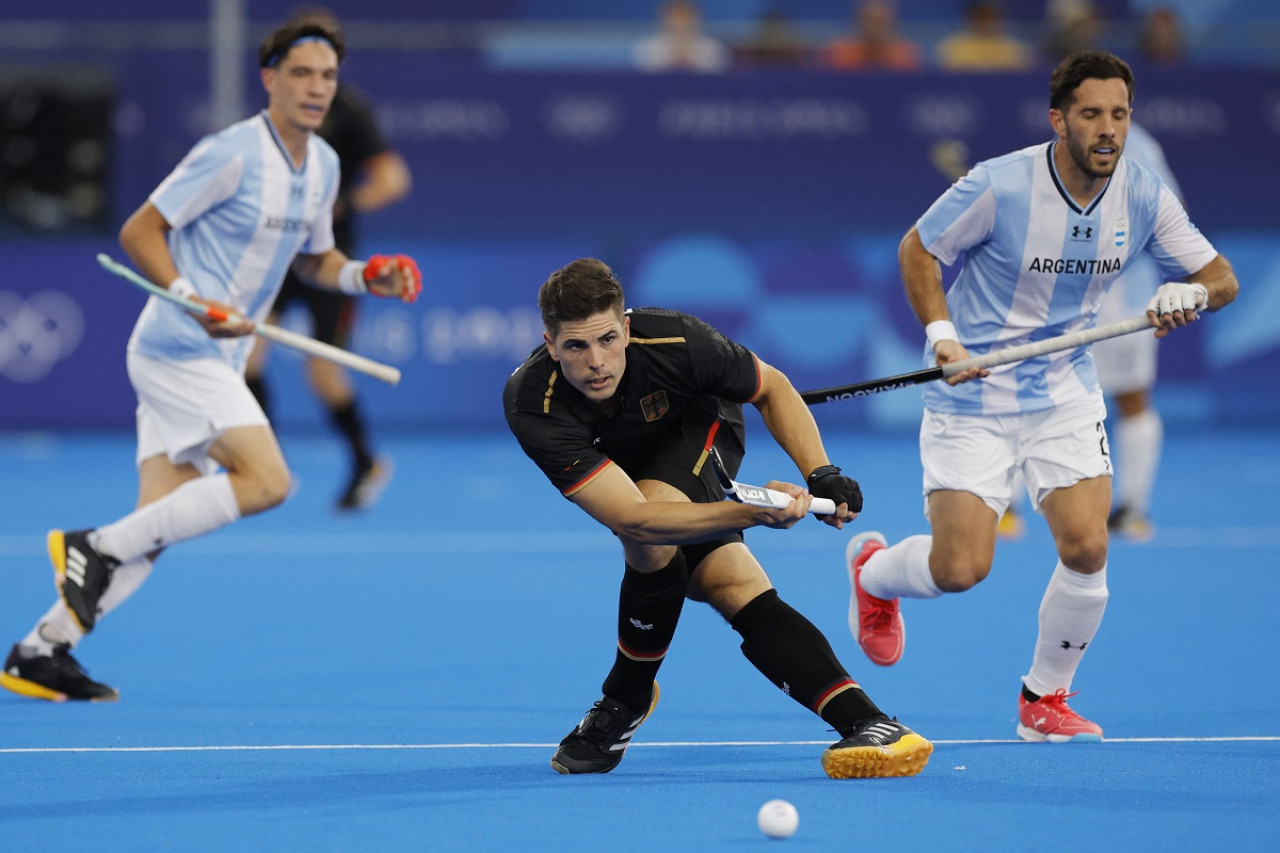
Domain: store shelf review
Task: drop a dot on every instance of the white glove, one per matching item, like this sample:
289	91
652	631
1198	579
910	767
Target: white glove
1179	296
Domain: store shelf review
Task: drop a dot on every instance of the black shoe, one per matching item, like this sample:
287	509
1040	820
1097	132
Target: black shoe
1130	524
56	677
597	744
82	574
877	747
367	484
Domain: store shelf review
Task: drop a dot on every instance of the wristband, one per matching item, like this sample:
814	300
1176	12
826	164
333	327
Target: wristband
351	278
820	472
940	330
182	286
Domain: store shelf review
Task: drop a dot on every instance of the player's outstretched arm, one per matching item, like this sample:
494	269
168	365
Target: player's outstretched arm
615	501
382	275
792	425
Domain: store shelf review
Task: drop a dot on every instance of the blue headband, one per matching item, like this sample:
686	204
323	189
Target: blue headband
271	63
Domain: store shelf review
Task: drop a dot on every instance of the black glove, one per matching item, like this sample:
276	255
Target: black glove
826	481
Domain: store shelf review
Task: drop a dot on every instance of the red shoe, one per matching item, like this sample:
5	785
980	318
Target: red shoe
875	623
1049	719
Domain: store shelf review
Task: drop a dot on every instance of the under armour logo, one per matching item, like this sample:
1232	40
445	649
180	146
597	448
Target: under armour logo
1066	644
643	627
1088	232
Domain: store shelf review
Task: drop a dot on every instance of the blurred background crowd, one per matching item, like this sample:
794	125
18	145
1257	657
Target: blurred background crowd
752	161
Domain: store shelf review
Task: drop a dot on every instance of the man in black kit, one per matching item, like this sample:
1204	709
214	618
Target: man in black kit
620	409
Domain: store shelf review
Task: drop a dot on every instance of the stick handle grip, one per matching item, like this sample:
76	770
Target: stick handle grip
823	506
311	346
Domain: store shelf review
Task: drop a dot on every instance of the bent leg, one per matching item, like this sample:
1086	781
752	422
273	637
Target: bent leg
650	601
779	641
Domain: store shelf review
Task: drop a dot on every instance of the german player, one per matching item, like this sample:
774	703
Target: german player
1044	232
620	410
221	229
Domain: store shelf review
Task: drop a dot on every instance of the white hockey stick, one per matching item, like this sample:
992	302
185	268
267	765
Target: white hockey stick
311	346
995	358
759	495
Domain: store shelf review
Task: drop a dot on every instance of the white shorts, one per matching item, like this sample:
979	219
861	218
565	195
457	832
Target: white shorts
184	406
979	454
1128	363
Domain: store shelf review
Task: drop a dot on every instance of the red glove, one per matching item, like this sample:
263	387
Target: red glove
409	274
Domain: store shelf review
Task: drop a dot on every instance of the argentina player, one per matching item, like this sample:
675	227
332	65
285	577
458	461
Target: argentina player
221	229
1043	232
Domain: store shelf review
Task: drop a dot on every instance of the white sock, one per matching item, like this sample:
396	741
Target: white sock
195	508
1070	614
57	626
901	570
125	580
1141	440
52	629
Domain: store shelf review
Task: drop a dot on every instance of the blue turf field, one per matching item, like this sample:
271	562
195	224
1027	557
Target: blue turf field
398	680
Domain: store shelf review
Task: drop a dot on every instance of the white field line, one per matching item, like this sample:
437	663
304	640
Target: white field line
647	744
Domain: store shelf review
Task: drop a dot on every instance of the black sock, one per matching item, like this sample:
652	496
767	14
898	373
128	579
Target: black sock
649	606
346	419
792	653
258	388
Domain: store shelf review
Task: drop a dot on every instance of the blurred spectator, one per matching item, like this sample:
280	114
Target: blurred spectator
680	44
873	44
774	44
982	44
1160	37
1073	25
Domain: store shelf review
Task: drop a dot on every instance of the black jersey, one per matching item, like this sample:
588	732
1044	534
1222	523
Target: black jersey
681	375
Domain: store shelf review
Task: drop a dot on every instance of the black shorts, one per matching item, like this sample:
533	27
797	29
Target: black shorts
332	313
678	461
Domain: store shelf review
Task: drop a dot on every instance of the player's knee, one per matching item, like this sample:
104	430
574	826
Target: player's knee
959	574
265	488
648	558
1086	554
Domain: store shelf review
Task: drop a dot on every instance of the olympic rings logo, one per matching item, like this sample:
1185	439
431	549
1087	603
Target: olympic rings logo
36	332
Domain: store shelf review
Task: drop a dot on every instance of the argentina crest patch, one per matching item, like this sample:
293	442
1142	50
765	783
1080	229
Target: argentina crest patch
1121	231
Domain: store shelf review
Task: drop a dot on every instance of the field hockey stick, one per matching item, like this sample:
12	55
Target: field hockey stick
1008	355
759	495
311	346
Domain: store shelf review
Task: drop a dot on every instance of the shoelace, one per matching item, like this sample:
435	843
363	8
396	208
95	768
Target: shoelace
876	613
605	724
63	660
1058	700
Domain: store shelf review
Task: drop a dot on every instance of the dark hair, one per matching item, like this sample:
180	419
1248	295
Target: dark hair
277	45
575	292
1085	65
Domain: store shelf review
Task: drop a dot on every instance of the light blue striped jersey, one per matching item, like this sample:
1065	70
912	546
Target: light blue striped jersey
1131	292
1036	266
240	213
